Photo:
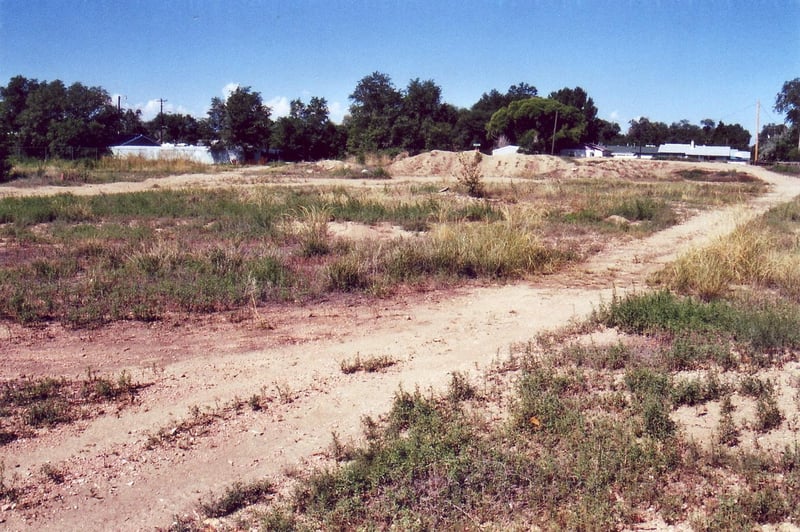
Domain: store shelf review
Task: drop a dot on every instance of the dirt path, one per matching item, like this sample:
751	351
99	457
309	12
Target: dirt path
113	482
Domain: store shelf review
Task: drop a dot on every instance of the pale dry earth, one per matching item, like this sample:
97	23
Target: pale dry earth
291	357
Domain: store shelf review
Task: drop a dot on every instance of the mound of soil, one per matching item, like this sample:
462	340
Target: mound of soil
446	164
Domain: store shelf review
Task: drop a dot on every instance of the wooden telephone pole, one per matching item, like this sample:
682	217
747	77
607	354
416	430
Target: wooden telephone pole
758	113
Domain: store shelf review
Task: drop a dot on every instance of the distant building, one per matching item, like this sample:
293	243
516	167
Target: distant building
703	153
637	152
505	150
585	150
148	148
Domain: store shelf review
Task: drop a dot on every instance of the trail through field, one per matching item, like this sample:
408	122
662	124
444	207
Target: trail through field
123	472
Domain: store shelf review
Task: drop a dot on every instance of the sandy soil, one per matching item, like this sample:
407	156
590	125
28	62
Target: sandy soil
290	357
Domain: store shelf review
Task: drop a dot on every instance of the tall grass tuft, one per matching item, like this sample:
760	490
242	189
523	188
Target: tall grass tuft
762	253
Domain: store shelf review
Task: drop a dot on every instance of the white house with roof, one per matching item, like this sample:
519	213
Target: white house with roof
147	148
704	153
585	150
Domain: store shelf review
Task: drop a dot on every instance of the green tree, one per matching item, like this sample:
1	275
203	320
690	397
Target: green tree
788	102
643	132
307	133
424	122
375	108
579	99
538	125
684	132
732	135
242	122
5	143
775	143
60	121
470	126
609	132
174	128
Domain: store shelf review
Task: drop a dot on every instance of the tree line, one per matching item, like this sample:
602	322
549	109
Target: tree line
51	119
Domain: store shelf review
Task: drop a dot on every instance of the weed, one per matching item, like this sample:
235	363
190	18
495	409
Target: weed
53	473
339	450
470	175
698	391
754	387
8	490
285	394
657	422
460	388
368	365
279	520
727	431
768	415
237	497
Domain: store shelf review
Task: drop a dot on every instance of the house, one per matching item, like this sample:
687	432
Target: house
703	153
585	150
637	152
505	150
147	148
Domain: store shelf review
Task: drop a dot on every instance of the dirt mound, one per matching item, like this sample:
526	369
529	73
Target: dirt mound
446	164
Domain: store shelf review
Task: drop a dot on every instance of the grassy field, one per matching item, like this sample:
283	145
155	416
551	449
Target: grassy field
562	432
85	261
566	433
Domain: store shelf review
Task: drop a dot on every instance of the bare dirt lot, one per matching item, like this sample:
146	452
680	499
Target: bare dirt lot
136	466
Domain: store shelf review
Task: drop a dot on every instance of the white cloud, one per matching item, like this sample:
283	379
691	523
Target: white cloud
336	112
228	89
614	116
280	106
151	109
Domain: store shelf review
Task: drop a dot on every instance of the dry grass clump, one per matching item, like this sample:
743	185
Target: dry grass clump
104	170
762	253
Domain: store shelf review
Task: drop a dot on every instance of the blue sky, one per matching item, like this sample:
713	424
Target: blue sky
666	60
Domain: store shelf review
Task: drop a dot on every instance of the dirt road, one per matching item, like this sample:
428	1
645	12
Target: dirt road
290	358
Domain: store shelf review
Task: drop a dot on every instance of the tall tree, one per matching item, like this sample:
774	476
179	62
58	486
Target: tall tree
60	121
424	122
643	132
471	125
241	122
539	125
579	99
788	101
376	105
307	133
175	128
684	132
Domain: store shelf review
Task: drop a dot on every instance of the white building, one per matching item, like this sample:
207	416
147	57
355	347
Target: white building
704	153
147	148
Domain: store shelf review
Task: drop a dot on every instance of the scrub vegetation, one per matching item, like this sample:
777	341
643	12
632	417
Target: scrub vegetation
89	260
591	436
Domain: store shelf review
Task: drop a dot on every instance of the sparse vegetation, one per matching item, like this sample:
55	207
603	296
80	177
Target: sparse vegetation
367	364
567	435
470	175
28	404
236	497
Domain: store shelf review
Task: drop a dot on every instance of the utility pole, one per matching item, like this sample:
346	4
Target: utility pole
161	115
553	143
758	117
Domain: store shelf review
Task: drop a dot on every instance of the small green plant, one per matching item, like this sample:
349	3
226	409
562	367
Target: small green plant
698	390
768	415
470	175
236	497
460	388
727	431
368	364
